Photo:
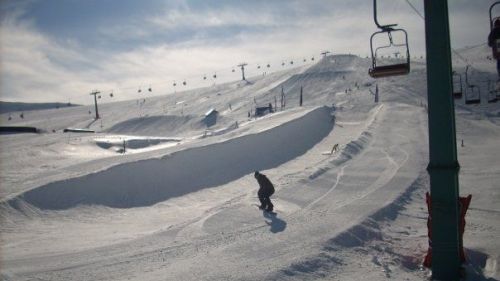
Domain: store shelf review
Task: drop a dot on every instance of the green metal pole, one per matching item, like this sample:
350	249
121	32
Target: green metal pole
443	166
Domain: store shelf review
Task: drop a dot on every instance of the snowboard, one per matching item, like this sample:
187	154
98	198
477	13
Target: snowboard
266	211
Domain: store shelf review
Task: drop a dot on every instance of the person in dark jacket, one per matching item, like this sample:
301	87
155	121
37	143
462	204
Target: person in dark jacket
492	38
266	189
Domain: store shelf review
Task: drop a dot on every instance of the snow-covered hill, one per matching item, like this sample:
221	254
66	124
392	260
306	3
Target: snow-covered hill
160	192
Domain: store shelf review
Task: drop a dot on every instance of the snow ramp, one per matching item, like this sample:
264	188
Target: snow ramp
147	182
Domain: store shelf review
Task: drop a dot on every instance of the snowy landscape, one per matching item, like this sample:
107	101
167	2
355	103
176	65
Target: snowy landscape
164	190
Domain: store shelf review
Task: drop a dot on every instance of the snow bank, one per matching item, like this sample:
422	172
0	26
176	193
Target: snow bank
132	142
159	125
147	182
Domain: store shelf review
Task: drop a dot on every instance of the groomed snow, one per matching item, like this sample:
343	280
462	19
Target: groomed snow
179	202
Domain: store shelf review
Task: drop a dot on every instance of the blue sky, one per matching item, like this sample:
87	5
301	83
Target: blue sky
60	50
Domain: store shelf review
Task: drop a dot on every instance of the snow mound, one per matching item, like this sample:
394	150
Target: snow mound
147	182
117	142
169	125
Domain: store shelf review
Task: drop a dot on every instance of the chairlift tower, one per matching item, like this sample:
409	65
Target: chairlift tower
325	53
95	93
443	164
242	65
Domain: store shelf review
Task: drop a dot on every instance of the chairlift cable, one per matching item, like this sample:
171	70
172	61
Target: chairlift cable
423	18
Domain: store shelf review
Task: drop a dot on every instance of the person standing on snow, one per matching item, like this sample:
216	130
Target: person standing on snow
266	189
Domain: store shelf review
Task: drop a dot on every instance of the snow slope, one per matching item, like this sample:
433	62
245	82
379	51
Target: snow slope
178	203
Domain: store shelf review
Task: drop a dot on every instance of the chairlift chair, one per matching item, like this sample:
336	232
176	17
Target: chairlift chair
457	85
471	90
475	92
377	70
492	92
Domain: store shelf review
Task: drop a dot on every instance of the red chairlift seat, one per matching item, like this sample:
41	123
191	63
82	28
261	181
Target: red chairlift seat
389	70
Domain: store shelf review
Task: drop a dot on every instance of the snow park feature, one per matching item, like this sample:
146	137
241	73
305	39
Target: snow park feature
160	192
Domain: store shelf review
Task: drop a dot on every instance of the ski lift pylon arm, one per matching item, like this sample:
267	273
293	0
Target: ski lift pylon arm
383	27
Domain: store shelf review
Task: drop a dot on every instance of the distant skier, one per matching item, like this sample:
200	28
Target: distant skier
266	189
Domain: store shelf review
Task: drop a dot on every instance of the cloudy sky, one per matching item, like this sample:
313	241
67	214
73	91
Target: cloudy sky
61	50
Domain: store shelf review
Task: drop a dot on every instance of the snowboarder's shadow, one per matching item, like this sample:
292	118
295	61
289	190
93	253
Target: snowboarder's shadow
277	224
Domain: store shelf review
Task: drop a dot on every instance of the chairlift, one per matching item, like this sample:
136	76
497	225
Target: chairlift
496	35
471	90
457	85
377	71
475	92
492	92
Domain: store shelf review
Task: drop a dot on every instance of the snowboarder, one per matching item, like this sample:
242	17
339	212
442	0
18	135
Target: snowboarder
266	189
